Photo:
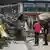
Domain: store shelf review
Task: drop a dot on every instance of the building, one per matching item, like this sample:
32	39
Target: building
36	6
31	7
25	6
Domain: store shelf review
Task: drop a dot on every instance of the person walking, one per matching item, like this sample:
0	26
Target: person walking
46	30
36	28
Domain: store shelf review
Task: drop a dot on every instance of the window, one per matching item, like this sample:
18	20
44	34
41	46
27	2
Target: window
29	7
32	7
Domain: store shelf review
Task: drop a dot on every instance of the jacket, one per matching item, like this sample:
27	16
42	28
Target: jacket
36	27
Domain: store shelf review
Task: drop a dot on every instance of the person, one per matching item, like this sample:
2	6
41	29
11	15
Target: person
46	30
20	27
2	30
1	27
36	28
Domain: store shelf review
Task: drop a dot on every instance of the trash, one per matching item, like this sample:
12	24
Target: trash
31	42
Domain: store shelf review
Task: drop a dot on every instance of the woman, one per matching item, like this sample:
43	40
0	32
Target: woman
36	28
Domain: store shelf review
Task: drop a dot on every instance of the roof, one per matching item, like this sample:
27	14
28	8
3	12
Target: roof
32	13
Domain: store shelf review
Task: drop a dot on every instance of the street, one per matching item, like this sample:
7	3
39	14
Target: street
40	47
21	45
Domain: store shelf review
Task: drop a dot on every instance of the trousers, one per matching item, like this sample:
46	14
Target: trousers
36	38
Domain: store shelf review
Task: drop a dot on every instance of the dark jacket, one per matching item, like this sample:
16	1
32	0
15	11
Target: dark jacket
46	26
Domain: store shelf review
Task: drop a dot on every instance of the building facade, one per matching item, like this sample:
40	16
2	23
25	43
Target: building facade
27	6
37	6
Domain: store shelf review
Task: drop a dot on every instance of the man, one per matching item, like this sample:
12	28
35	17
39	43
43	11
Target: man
36	27
45	31
20	27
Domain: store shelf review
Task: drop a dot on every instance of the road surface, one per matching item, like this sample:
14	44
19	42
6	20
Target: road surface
21	45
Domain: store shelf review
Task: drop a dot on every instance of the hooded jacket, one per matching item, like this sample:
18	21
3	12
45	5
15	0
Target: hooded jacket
36	27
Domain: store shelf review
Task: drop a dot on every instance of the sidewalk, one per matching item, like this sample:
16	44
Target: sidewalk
40	47
16	45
